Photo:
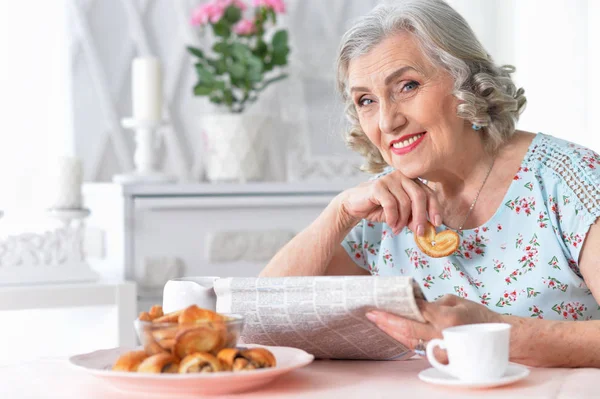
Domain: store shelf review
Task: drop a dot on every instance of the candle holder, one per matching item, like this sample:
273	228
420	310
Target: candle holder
146	144
67	215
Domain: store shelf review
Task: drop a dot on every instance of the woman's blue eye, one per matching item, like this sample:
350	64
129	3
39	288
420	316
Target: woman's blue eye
362	102
410	86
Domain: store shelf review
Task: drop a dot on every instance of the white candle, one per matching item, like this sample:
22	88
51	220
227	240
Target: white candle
146	88
67	179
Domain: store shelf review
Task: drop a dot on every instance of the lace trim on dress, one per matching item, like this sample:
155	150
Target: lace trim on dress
575	165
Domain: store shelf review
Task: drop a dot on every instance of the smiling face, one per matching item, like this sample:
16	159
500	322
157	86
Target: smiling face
406	107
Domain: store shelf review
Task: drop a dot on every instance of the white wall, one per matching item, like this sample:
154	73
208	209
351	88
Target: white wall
555	46
34	97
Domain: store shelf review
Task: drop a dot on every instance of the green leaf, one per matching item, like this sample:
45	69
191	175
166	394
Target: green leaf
280	40
200	90
254	76
195	51
220	85
222	29
254	62
221	48
261	49
220	66
216	97
279	57
255	69
241	52
237	70
233	14
204	75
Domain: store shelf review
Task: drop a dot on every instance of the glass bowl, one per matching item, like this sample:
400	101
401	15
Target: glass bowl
203	336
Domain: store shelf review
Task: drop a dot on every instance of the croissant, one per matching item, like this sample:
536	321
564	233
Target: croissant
194	314
144	316
160	363
130	361
169	317
151	347
246	359
165	333
155	312
198	339
200	362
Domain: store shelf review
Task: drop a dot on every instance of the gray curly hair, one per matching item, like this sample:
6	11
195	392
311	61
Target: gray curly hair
488	97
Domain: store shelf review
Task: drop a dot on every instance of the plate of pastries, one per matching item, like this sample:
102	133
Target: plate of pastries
192	351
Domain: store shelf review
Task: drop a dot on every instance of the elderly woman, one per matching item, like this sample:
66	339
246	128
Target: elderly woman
431	111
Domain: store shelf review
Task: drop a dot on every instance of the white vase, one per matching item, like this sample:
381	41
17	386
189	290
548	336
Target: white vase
235	146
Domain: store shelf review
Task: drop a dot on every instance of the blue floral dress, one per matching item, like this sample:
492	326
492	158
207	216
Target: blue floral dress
524	260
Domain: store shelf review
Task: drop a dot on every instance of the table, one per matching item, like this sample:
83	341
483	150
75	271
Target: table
122	294
54	378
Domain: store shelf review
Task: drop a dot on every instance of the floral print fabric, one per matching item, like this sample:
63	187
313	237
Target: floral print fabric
524	260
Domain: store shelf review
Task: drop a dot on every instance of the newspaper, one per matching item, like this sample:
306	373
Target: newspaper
324	316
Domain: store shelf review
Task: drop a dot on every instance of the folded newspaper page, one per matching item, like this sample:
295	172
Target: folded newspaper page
324	316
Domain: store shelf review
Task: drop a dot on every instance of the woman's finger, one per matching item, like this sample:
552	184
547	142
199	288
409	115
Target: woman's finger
434	210
418	199
404	206
401	326
387	201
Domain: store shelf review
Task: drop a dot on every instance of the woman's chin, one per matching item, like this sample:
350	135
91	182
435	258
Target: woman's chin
409	171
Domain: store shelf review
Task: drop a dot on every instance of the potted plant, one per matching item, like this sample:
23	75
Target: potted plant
248	55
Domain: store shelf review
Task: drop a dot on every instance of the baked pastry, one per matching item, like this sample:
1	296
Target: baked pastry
151	347
155	312
194	314
235	359
198	339
200	362
144	316
160	363
437	245
169	317
129	361
165	333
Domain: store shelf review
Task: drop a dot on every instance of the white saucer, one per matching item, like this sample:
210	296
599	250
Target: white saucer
514	373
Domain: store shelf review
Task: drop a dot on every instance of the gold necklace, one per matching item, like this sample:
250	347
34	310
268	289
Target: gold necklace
460	227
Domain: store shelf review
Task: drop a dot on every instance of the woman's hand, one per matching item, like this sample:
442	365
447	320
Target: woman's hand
393	199
448	311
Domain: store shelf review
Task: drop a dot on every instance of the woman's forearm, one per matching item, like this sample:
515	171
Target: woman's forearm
548	343
309	253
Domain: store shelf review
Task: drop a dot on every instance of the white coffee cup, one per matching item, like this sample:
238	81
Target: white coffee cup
476	352
180	293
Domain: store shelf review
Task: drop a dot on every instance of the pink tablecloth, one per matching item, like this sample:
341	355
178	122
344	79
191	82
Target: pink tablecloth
321	379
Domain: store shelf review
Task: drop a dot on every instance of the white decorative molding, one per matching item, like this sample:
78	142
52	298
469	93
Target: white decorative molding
251	246
52	256
157	270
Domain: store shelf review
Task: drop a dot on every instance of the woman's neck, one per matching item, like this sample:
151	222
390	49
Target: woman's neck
463	176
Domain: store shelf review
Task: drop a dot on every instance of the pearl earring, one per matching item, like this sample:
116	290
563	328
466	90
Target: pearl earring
476	127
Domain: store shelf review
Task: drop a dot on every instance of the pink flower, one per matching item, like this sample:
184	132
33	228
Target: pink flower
213	11
209	12
276	5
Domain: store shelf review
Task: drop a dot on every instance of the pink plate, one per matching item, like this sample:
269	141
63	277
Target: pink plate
99	364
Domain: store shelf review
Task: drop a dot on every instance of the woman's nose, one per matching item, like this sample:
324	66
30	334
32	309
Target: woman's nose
390	117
